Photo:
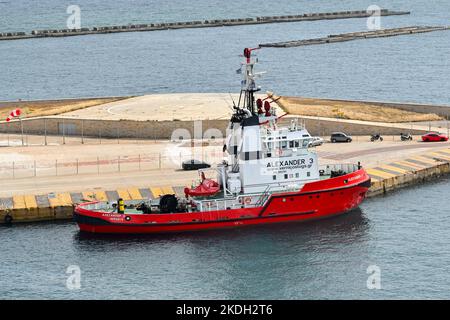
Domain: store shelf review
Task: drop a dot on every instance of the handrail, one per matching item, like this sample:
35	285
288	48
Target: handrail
263	197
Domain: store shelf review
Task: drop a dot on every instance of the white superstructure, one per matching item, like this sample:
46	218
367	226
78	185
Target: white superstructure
261	155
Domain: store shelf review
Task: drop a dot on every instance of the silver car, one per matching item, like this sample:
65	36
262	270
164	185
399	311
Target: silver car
315	142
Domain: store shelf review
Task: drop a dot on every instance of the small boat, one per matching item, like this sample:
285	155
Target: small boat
271	175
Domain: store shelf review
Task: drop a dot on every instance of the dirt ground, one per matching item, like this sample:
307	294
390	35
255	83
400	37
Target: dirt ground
169	107
51	107
350	110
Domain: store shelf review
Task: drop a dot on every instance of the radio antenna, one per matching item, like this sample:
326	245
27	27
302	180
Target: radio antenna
234	104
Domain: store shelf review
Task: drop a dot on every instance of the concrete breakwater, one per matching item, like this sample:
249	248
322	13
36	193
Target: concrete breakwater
59	206
195	24
356	36
135	129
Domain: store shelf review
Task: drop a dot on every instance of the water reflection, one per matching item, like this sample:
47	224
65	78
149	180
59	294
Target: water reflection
349	227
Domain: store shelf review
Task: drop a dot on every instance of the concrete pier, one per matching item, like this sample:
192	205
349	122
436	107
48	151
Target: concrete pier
195	24
46	180
409	171
343	37
59	206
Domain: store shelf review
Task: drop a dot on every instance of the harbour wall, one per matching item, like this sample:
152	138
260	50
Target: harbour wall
334	38
188	129
195	24
59	206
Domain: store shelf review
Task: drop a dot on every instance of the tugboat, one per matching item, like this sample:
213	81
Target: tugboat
271	175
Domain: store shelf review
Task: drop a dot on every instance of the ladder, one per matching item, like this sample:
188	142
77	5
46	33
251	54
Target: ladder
264	196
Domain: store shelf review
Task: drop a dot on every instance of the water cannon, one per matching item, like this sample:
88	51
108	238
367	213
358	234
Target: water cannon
248	53
267	108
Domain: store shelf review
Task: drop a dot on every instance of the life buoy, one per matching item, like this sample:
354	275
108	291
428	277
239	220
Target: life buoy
248	200
279	152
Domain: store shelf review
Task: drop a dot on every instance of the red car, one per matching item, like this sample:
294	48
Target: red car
434	136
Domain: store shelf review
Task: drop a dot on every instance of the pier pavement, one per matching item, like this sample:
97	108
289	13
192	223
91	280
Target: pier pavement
390	164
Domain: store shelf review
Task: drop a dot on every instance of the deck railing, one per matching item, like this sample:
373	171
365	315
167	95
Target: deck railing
345	167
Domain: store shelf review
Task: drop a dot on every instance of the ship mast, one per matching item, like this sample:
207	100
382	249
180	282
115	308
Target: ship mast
248	85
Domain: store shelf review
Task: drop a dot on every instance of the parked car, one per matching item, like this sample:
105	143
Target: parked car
194	165
315	142
434	136
340	137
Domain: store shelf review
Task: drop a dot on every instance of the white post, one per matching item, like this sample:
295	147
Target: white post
447	127
82	131
21	129
7	131
64	131
45	131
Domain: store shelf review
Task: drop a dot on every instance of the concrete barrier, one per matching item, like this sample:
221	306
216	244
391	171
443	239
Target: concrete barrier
165	129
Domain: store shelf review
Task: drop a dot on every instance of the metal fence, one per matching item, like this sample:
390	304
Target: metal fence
101	165
68	135
18	140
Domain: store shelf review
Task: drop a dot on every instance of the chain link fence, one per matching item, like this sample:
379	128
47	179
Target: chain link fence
104	164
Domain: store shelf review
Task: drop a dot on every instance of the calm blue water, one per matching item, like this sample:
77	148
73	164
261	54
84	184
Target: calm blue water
410	68
405	234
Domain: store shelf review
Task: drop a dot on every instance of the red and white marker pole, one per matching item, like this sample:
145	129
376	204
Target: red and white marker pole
16	114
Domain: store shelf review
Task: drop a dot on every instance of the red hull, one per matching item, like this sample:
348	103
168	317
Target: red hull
315	200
